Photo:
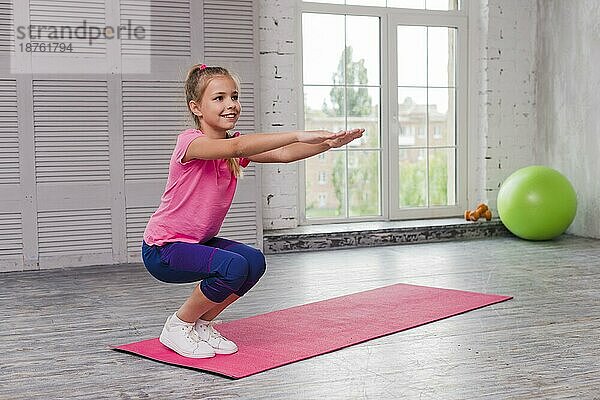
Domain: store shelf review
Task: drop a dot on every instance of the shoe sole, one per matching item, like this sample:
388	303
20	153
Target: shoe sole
173	347
220	351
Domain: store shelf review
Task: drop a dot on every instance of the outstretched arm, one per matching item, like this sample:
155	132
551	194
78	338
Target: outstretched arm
208	148
299	151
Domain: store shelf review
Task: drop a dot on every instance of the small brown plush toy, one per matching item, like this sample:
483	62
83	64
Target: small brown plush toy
482	210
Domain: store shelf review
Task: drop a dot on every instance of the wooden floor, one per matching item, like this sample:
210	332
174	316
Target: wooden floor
544	344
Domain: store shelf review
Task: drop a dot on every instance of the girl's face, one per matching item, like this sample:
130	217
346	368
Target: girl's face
219	106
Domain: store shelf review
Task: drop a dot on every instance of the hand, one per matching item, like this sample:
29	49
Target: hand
316	137
346	138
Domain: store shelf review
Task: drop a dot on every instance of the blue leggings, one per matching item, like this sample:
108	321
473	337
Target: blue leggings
224	266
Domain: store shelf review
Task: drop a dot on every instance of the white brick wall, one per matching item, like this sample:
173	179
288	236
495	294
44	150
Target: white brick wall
505	92
507	35
279	98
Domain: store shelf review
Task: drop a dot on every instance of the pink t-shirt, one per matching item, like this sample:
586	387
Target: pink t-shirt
196	199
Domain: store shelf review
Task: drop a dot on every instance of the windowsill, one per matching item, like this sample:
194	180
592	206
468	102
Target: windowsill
382	233
371	226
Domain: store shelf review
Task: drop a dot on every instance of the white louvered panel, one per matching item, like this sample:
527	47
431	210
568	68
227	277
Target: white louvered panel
61	18
246	123
136	220
229	29
71	131
154	113
74	231
240	223
166	26
249	171
7	37
9	135
11	235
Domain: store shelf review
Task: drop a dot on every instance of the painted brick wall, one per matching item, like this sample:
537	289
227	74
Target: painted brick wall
279	106
507	107
506	121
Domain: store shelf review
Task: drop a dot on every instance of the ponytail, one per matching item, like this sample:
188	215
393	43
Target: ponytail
234	166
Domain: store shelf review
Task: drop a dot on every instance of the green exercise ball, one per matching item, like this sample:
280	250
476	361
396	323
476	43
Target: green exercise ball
537	203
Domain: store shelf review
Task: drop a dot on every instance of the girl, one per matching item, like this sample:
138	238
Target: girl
180	243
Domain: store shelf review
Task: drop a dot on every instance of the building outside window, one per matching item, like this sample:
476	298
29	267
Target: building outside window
322	178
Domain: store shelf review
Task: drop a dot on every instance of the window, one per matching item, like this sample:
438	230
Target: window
322	200
341	73
405	84
322	177
426	102
415	4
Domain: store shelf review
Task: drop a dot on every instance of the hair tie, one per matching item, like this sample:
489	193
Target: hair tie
202	67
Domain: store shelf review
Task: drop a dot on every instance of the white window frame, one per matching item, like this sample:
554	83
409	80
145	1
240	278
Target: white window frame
456	20
390	18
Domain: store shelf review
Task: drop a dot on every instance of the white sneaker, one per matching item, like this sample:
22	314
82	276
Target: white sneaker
181	337
207	332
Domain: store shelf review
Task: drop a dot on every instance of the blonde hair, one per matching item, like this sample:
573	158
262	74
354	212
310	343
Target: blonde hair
198	78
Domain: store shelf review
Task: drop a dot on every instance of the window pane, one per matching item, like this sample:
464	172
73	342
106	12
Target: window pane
325	1
415	4
378	3
322	47
324	108
420	4
442	117
326	185
412	116
362	40
442	164
442	4
440	56
412	56
413	177
363	112
363	183
349	98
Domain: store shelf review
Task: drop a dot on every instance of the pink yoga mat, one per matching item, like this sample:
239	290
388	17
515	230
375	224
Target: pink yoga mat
282	337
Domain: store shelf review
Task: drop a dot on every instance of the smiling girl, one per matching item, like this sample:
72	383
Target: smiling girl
180	243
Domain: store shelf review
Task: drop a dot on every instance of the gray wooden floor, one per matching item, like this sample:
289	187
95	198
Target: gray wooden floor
543	344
